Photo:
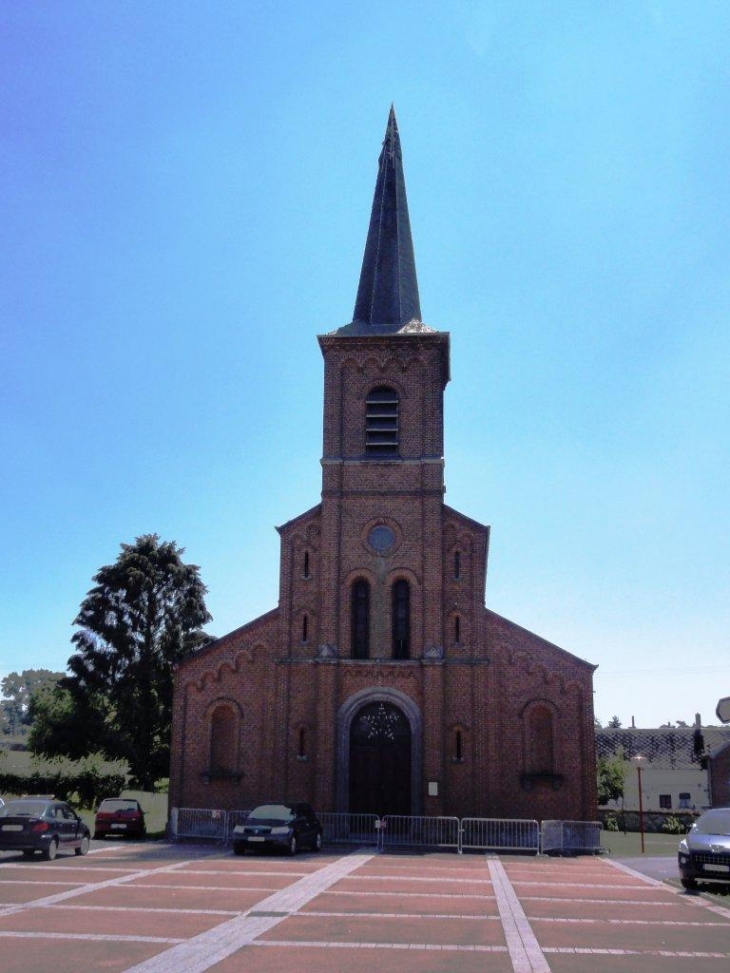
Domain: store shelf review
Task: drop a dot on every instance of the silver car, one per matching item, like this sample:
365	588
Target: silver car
704	854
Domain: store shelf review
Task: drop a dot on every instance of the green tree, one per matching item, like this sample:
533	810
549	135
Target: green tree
67	724
614	723
17	690
611	774
144	614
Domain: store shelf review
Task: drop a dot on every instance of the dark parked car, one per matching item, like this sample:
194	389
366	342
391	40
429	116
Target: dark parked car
285	826
119	816
704	854
34	824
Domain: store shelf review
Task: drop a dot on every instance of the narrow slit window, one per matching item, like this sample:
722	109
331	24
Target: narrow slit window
306	564
401	620
457	629
458	746
381	422
305	628
457	565
302	742
360	619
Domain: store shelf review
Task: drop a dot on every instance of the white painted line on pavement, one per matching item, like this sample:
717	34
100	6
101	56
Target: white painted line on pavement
524	949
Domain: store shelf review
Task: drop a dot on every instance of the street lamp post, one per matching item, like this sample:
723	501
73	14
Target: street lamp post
637	760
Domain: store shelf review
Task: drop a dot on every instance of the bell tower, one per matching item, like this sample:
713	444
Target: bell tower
382	463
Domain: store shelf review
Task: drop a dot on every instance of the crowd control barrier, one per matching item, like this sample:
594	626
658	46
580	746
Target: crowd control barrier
414	831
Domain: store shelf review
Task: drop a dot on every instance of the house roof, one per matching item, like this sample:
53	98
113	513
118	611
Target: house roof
663	746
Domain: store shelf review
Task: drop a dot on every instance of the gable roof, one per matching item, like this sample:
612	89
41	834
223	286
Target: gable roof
663	746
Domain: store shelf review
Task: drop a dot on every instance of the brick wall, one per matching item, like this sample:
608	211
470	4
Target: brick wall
288	679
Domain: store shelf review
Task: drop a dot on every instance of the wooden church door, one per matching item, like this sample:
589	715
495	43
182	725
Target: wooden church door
380	761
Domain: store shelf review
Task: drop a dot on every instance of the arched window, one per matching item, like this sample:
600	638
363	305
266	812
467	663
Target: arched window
360	619
457	629
305	628
540	740
381	421
306	564
401	619
223	756
457	565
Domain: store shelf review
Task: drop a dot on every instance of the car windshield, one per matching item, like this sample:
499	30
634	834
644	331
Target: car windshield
714	822
118	804
23	809
272	814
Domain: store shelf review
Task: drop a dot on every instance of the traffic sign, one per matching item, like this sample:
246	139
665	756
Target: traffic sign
723	710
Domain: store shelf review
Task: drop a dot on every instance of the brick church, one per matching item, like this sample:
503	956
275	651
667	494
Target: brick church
381	683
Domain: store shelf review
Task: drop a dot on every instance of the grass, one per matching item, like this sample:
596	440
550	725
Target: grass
628	845
23	762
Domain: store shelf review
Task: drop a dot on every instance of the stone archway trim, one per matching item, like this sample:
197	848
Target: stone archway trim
346	714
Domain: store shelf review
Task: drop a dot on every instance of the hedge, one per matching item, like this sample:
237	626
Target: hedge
84	788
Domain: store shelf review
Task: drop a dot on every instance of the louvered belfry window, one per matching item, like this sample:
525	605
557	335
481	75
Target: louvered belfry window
381	421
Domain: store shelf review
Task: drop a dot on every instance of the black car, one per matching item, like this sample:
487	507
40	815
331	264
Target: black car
41	824
285	826
704	854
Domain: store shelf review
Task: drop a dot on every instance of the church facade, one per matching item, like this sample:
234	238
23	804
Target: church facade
381	683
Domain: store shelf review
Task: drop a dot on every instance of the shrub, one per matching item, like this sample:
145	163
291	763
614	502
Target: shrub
672	825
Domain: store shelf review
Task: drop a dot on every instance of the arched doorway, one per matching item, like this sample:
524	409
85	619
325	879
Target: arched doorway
380	760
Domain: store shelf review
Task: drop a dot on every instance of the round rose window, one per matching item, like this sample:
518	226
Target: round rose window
381	538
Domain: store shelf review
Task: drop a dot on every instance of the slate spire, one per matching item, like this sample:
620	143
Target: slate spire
388	290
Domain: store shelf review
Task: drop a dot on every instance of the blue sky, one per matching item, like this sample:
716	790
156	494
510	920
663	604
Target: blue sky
185	191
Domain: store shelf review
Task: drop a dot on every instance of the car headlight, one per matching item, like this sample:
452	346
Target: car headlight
683	848
282	830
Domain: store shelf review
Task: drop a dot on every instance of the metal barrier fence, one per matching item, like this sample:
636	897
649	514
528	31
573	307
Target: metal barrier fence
500	834
234	818
483	834
421	832
570	837
357	829
189	822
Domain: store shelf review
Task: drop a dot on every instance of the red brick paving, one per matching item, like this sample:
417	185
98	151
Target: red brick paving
141	896
389	929
273	959
33	955
429	914
414	902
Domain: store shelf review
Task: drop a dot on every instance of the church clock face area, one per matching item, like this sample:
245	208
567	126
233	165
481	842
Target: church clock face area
381	683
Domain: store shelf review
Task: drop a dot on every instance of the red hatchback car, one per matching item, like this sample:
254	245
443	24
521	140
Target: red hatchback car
119	816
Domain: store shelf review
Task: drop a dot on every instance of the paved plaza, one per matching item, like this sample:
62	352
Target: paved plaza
159	908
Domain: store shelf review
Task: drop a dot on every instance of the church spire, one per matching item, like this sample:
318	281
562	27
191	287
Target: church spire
388	290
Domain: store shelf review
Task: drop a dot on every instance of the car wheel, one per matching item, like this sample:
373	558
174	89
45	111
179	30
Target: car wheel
83	848
293	845
51	851
689	883
317	843
239	848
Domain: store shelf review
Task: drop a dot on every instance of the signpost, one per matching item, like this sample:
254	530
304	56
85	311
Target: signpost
723	710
